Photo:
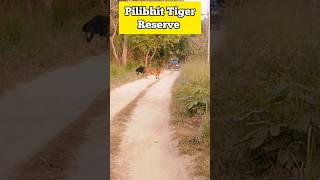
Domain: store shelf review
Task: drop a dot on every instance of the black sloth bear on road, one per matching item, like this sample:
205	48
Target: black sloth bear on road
140	69
97	25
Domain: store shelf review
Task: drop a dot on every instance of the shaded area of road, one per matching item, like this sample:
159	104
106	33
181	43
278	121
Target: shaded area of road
91	161
35	112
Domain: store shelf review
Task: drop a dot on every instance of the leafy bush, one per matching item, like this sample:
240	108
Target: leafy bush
193	94
193	91
122	74
267	100
191	115
12	29
31	43
63	10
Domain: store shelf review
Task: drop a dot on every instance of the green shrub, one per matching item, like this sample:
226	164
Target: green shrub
120	74
63	10
192	96
205	128
268	97
12	28
32	42
193	92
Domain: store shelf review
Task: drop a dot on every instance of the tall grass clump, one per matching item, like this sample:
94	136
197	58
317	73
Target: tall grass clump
267	99
193	94
12	29
193	88
121	74
34	39
11	26
191	113
62	12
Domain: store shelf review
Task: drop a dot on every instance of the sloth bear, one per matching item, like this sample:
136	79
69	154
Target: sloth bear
140	69
97	25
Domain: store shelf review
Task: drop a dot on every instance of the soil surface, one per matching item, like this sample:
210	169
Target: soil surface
35	114
145	145
55	127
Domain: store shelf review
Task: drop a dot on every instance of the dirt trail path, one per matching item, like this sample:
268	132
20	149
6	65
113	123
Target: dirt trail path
35	112
91	160
123	95
147	150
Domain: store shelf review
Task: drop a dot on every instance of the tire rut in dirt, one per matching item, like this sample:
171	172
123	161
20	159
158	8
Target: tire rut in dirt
117	128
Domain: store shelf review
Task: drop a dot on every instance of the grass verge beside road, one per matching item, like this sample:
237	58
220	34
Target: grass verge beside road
40	41
121	74
266	91
191	116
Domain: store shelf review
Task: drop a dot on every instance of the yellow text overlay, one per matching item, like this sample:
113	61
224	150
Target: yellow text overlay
159	17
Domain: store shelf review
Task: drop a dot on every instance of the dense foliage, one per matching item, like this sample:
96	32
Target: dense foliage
38	35
267	95
150	49
191	113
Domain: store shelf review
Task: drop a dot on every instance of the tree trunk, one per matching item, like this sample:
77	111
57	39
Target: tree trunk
102	7
114	51
48	4
208	54
146	59
154	52
107	6
124	57
29	7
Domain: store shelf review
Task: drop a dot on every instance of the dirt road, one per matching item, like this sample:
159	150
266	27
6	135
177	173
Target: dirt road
146	149
91	161
54	127
36	112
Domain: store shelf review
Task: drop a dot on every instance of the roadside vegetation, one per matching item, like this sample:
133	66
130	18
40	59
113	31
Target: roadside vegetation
39	35
191	113
267	100
122	74
127	52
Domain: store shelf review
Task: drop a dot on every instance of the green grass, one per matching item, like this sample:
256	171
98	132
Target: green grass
191	115
193	87
271	64
192	94
31	44
120	74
